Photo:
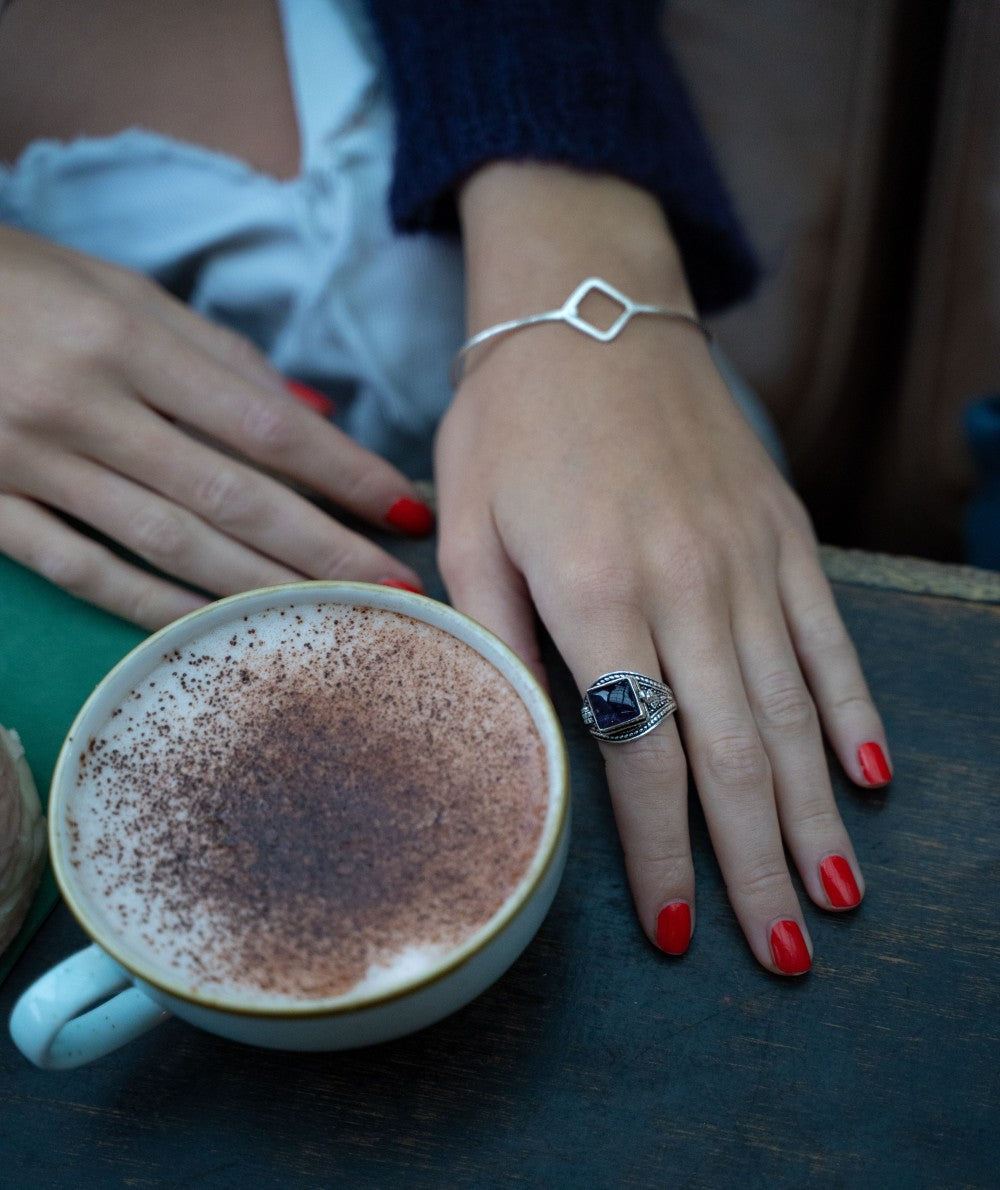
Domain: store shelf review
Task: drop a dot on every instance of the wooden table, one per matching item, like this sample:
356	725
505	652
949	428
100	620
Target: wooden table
596	1062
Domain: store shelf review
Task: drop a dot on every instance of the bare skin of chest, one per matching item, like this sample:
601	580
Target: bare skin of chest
210	74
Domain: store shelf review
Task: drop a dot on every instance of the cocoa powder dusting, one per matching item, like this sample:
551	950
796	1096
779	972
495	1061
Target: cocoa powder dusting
280	818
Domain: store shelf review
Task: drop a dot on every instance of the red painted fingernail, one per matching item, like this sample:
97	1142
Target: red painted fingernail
673	927
839	882
874	766
311	397
788	948
411	516
398	582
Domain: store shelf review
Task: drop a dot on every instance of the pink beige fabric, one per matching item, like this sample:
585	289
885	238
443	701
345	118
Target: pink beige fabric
879	316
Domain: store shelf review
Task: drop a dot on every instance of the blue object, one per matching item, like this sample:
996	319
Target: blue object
982	522
614	704
583	82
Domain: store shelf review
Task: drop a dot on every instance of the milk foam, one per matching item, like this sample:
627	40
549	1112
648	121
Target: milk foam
314	804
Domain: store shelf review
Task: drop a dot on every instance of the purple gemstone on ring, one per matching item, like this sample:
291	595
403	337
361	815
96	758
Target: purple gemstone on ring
614	705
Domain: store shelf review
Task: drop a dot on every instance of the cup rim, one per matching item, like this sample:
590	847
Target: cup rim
419	607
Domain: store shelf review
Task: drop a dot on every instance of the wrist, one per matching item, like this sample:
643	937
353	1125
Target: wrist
532	232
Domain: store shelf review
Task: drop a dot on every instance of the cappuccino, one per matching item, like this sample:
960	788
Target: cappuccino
316	802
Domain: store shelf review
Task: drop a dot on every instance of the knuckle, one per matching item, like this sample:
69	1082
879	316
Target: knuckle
736	760
224	498
612	586
667	867
356	486
816	817
68	569
41	403
142	606
855	703
783	704
270	426
159	534
339	559
764	879
694	573
823	632
105	328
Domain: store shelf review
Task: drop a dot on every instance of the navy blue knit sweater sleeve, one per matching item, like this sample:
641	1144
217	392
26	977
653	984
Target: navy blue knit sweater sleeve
582	82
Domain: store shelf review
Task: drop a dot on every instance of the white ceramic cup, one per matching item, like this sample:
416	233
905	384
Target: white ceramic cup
101	998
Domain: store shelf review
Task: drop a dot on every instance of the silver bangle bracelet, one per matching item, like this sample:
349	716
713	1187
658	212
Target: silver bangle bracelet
569	313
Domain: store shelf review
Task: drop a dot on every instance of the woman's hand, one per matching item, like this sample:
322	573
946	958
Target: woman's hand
101	376
618	490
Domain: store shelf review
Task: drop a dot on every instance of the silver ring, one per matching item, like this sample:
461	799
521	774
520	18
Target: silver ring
623	705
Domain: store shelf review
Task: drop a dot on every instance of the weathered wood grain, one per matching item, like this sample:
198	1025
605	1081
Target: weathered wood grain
917	576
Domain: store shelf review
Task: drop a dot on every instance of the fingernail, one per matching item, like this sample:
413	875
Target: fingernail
411	516
788	948
673	927
838	880
311	397
874	766
398	582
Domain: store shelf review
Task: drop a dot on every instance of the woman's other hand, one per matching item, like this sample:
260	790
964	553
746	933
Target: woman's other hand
102	375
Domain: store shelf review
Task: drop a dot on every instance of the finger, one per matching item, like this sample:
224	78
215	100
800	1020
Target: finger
216	381
120	301
260	422
735	785
162	533
789	727
647	776
833	671
648	786
45	544
242	505
483	583
139	293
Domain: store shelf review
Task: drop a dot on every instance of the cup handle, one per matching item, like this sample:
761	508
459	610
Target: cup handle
55	1022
